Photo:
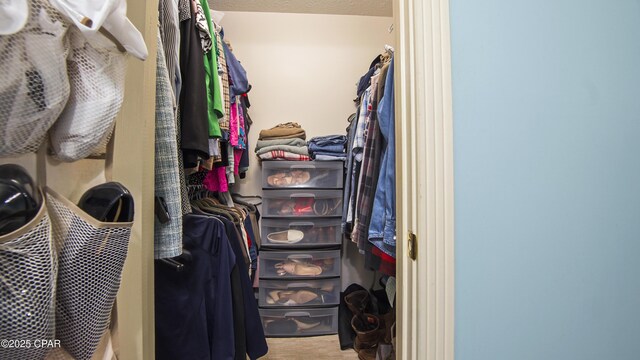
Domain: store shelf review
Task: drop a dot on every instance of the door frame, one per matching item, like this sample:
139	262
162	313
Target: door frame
424	190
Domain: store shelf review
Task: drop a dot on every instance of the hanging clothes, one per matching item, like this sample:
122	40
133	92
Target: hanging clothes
169	21
167	236
239	83
194	127
369	170
208	310
369	199
382	231
194	307
224	73
215	107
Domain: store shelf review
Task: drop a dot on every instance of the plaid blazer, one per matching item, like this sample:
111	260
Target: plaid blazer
168	236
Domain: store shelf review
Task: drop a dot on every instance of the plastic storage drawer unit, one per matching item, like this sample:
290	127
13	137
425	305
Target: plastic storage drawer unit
301	233
302	203
305	264
299	322
299	174
281	293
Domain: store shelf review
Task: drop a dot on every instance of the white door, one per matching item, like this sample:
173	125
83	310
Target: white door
425	180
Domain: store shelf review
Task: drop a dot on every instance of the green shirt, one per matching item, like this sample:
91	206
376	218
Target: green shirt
215	106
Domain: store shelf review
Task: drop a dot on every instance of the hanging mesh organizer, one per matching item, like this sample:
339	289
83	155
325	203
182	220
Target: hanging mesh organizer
27	287
91	256
96	73
34	87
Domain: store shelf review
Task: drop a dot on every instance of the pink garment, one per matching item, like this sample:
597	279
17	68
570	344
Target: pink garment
234	125
242	134
216	180
237	135
237	155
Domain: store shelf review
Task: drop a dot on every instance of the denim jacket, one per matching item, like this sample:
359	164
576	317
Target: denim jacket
382	230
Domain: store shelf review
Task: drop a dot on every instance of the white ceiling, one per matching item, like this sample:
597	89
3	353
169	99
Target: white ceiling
339	7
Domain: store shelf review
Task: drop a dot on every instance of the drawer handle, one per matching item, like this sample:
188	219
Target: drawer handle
301	223
303	195
303	166
299	285
300	256
297	314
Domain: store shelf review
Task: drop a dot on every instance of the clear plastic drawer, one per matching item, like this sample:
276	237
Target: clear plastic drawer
299	264
301	233
299	322
302	203
309	293
302	174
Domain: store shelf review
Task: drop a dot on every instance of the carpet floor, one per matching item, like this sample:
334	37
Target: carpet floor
315	348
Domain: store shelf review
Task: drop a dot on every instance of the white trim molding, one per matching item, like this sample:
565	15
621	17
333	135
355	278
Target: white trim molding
424	129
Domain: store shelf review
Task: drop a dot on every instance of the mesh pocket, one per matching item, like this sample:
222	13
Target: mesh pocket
33	87
27	287
96	74
91	256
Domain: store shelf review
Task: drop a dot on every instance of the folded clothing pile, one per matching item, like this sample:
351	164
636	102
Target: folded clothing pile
328	148
283	142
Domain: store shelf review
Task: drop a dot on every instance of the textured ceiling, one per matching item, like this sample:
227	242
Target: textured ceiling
340	7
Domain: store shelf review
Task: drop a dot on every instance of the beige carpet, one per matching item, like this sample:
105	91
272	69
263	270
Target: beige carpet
315	348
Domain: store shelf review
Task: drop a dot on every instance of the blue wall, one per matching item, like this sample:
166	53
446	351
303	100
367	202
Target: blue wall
547	179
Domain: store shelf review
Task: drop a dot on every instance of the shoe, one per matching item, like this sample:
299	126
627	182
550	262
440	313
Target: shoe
300	177
280	326
387	321
357	301
291	297
19	198
108	202
305	323
368	354
295	268
368	335
286	237
326	207
279	179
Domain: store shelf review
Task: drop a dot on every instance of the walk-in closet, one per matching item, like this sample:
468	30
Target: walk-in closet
298	83
192	179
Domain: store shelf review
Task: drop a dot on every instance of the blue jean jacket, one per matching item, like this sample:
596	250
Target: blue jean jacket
382	231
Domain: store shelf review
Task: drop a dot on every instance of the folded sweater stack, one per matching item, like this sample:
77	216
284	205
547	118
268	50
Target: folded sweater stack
328	148
283	142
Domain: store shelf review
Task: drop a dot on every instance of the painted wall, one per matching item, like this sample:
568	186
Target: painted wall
547	179
304	68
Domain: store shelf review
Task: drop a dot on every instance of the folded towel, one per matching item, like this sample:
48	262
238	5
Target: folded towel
293	142
302	150
283	131
283	155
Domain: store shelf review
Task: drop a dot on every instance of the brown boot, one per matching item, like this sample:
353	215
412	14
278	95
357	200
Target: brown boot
357	301
368	335
367	354
386	322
